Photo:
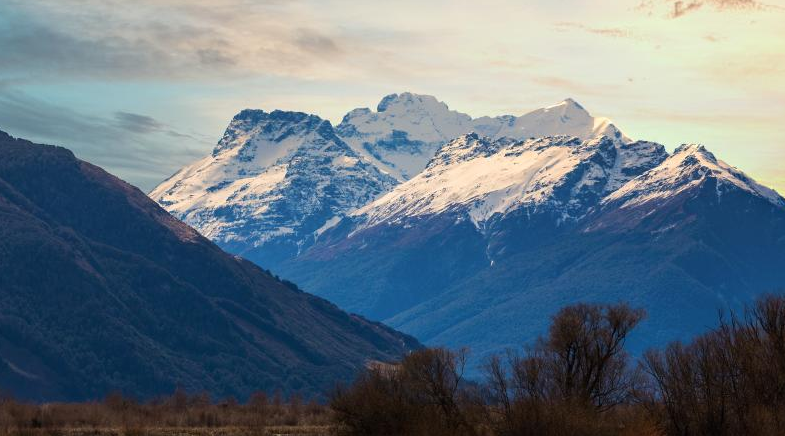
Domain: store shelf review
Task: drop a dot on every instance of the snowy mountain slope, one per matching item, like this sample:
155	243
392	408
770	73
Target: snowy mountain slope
276	181
407	129
565	118
489	178
657	198
404	132
684	239
478	200
271	183
494	236
690	165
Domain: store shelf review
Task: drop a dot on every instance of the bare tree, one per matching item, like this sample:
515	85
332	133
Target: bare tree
585	353
577	372
728	381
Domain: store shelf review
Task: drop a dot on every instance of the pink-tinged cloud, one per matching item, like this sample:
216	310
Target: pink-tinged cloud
679	8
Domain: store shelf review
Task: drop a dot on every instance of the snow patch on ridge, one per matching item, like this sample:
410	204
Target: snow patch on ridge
484	178
330	223
688	167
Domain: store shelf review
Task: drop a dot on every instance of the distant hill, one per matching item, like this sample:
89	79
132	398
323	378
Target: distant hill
101	289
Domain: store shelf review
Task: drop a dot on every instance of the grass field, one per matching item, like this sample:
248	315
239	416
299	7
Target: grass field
178	431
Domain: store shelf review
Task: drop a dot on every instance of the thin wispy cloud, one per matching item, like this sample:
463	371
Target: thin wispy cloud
679	8
143	125
613	32
316	43
137	123
153	79
572	86
228	38
136	147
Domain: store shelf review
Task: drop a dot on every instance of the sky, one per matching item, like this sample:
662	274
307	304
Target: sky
142	88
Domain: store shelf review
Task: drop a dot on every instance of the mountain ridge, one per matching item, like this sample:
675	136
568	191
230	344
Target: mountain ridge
276	181
489	280
495	288
104	290
496	176
407	129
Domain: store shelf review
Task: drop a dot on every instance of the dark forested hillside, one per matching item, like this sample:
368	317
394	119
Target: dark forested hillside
101	289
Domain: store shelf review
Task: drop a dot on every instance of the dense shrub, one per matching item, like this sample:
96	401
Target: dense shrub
424	394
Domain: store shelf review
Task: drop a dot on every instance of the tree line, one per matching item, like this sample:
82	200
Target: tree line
577	379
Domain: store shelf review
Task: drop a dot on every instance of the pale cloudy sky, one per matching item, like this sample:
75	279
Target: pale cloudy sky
147	86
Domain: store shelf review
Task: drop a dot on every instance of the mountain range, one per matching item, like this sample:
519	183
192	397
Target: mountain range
407	129
475	230
101	289
275	181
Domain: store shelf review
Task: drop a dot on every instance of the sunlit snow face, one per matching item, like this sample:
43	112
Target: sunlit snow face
711	73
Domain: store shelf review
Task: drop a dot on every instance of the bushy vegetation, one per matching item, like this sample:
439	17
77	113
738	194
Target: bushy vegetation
424	394
579	380
730	381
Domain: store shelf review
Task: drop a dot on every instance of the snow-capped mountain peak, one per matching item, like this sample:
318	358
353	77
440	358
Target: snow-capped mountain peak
484	178
253	143
566	107
408	102
565	118
277	176
404	132
422	117
407	129
251	127
688	167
